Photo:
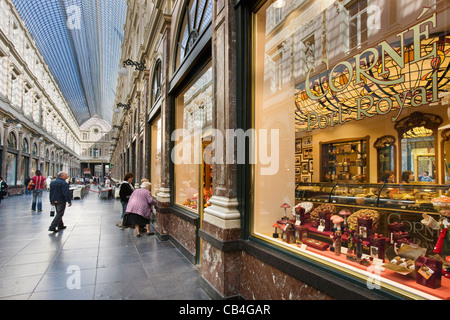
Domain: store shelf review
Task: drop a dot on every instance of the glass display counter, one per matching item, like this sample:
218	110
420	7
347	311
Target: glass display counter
315	192
356	194
410	197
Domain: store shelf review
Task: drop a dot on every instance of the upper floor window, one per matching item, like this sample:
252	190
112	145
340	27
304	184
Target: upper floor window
12	141
35	149
156	85
25	146
357	15
197	17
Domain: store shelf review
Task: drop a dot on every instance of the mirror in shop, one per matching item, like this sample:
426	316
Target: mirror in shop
417	134
386	149
446	154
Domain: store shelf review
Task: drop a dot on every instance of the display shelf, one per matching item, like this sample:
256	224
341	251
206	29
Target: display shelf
344	160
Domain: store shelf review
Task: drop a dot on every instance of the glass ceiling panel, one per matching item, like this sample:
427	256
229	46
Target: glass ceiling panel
80	41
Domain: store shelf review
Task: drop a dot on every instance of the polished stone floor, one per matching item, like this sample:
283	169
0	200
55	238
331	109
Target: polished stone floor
90	260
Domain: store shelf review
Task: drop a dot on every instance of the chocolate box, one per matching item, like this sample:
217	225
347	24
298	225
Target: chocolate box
428	272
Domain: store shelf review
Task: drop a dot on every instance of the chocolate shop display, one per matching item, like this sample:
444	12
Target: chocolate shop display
353	236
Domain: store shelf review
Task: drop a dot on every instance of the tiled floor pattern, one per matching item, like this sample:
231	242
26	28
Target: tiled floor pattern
90	260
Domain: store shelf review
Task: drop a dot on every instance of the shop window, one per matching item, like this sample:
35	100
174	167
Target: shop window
193	129
11	168
343	127
156	145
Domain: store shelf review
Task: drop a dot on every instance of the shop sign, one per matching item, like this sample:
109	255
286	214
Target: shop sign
377	81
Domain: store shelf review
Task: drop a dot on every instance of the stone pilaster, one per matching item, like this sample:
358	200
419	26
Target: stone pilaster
221	225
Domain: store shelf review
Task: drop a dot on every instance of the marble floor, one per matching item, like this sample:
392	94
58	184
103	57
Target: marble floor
90	260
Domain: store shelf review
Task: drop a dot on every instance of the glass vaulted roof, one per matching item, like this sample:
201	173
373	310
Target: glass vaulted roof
80	41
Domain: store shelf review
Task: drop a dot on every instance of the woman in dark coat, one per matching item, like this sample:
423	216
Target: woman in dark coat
126	189
3	189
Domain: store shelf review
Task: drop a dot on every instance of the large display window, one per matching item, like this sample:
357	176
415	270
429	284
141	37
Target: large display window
338	118
193	119
156	145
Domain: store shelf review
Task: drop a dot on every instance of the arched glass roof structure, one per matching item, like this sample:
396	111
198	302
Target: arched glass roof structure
80	41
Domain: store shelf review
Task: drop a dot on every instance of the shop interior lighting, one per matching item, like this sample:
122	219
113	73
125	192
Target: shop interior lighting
279	4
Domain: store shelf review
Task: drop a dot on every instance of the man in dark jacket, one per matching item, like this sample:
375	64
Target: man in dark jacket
59	195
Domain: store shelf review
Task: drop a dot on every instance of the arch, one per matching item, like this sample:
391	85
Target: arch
25	145
12	141
155	89
196	16
35	149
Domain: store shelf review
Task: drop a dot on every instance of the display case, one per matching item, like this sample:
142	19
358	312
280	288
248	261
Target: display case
356	194
411	196
344	161
315	192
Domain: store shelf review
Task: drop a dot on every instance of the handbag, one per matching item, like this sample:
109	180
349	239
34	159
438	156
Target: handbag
125	221
52	211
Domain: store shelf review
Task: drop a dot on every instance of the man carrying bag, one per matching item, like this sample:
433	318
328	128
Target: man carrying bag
59	195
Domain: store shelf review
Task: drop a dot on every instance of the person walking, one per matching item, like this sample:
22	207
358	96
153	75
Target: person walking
126	189
27	181
3	189
59	196
39	185
140	208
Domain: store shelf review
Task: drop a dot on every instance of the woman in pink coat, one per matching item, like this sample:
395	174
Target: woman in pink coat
140	207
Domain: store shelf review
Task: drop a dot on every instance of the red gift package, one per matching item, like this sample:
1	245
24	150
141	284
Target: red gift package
428	272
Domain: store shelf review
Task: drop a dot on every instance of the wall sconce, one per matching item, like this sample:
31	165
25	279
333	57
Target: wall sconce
36	136
140	66
19	126
124	106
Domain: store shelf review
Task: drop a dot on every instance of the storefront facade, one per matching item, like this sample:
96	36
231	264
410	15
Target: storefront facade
250	112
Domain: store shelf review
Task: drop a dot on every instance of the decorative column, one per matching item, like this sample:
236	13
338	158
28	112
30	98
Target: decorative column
164	194
136	128
19	158
221	225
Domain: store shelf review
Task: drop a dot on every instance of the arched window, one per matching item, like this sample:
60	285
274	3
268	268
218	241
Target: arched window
35	149
25	146
12	141
156	83
197	17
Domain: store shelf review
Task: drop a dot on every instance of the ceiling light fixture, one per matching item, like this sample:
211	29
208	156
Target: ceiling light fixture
279	4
